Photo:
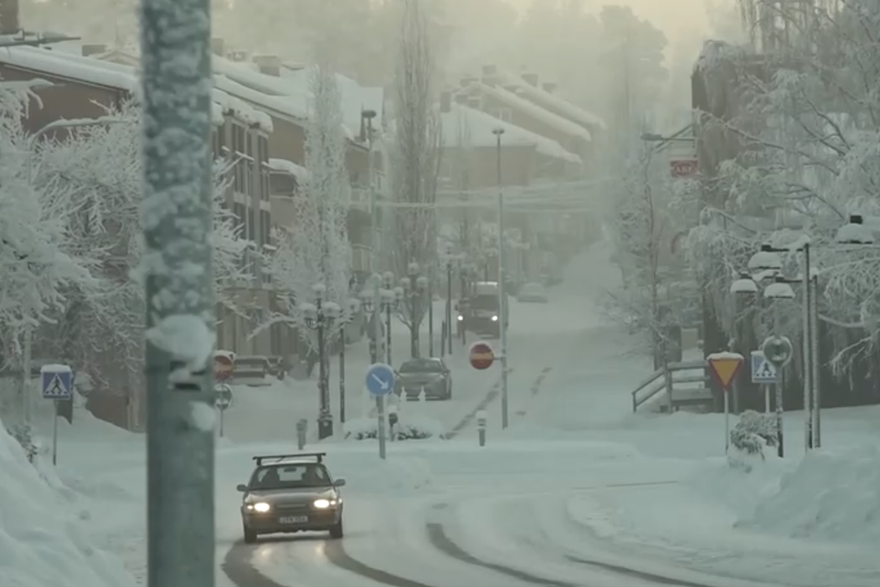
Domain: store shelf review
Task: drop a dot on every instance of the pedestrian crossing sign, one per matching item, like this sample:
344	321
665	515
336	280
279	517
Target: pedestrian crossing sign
763	371
57	382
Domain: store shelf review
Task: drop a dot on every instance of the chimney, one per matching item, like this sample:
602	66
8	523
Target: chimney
531	79
268	64
90	49
9	17
549	87
218	46
445	101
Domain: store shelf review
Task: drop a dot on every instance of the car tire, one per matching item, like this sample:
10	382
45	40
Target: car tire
336	530
250	536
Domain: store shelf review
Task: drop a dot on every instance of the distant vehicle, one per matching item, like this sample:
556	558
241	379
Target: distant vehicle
483	314
254	371
532	293
291	493
430	374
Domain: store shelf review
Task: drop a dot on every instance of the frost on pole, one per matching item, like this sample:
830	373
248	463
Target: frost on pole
177	208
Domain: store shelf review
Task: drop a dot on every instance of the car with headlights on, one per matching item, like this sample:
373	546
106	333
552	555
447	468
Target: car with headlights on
429	374
291	493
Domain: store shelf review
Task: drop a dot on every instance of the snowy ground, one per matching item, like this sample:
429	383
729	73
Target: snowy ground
577	492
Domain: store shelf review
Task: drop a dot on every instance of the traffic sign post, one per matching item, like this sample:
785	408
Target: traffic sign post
224	365
765	375
778	350
481	356
222	401
57	384
380	382
724	368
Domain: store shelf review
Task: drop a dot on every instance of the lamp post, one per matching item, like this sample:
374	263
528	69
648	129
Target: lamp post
353	307
367	117
502	297
320	317
27	350
449	259
386	300
415	288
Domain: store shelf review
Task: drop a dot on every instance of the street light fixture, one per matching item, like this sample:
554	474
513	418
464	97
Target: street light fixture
414	288
321	316
767	259
854	232
779	290
744	285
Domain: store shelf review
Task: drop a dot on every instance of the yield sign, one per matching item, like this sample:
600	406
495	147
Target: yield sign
724	367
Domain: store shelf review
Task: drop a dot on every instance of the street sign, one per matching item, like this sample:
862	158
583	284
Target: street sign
224	364
380	379
763	371
680	168
778	350
481	356
724	367
222	396
57	382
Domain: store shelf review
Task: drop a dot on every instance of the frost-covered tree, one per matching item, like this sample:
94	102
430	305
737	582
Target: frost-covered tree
800	154
91	180
316	250
415	158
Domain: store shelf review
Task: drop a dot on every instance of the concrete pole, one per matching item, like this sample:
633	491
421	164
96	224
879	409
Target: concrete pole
502	296
177	264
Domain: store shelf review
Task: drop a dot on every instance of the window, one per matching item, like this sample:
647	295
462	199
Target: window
251	229
263	158
303	475
282	183
265	227
239	211
505	114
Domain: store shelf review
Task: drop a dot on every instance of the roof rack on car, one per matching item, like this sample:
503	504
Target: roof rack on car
319	456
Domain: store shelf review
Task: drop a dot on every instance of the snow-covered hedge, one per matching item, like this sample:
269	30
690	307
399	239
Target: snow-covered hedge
751	435
407	428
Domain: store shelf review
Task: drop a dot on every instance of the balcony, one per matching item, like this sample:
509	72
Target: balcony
360	258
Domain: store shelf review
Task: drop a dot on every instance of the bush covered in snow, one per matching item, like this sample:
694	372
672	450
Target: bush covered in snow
408	427
752	433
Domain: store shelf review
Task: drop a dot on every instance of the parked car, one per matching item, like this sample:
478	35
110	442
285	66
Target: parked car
532	293
429	374
253	371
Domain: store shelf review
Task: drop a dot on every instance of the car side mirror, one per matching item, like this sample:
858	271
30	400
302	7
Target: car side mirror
339	483
241	487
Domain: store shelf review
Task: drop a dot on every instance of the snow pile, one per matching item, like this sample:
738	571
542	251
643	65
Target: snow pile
408	427
831	495
367	473
41	541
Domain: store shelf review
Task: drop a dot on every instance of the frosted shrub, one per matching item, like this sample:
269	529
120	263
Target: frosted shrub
753	432
407	428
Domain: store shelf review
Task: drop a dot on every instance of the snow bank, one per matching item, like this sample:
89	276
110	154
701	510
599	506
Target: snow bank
369	474
41	541
409	427
831	495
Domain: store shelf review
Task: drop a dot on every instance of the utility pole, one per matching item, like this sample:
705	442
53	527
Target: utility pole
502	296
177	214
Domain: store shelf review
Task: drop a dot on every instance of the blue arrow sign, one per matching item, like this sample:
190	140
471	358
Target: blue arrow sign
57	382
380	379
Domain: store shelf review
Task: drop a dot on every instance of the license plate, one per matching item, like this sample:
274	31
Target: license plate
293	519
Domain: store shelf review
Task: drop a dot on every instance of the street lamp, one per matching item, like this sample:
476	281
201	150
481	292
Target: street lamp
502	296
415	288
321	316
367	117
345	319
386	300
449	260
778	290
854	232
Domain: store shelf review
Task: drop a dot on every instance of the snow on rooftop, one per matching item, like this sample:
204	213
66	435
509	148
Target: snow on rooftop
355	97
539	113
564	106
464	126
66	64
285	166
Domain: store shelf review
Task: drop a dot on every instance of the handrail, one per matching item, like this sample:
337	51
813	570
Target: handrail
666	380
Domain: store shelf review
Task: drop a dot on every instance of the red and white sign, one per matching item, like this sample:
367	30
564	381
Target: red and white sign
224	364
481	356
683	168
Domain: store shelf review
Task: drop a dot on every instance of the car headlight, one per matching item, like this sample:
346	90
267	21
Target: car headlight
460	317
322	503
262	507
494	318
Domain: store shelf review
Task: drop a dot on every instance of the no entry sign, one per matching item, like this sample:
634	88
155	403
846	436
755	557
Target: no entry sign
481	356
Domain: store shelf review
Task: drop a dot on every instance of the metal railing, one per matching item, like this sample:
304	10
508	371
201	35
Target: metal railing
673	379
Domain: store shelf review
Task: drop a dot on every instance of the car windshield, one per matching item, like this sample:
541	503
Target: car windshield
421	366
250	361
300	475
484	303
